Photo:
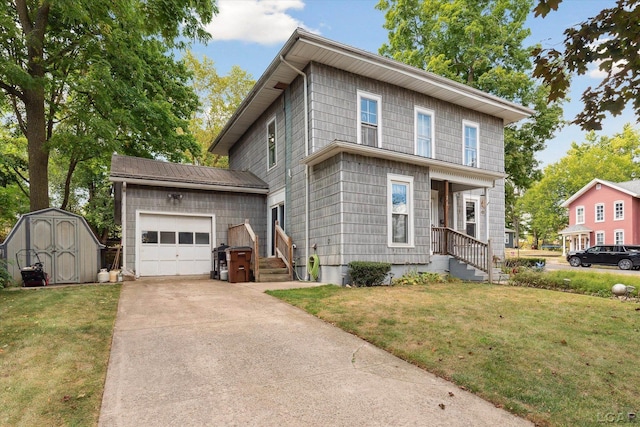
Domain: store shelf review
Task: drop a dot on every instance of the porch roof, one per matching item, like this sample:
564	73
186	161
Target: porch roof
438	169
576	229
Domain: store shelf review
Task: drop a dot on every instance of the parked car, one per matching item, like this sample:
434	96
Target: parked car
625	257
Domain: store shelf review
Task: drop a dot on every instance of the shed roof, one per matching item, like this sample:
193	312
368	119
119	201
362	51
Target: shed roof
137	170
304	47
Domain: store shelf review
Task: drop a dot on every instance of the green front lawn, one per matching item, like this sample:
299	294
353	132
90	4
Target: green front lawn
54	351
555	358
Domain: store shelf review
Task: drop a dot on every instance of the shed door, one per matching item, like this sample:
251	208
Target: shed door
56	241
173	245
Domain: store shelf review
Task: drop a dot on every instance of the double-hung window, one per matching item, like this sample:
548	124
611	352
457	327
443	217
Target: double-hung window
580	215
600	212
470	136
599	237
424	132
369	129
618	209
400	210
271	143
619	239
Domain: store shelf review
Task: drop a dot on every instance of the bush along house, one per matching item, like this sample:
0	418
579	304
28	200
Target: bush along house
346	156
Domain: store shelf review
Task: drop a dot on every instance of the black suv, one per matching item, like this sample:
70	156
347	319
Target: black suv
625	257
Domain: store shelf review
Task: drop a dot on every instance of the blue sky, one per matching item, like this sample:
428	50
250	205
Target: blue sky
249	33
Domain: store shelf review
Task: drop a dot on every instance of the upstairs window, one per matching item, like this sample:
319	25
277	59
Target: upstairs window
470	149
424	132
271	143
580	215
369	130
618	209
600	212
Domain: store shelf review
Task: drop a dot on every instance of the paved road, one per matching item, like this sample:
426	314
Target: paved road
195	352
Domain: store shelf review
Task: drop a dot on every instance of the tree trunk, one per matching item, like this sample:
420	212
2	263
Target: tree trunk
38	154
36	130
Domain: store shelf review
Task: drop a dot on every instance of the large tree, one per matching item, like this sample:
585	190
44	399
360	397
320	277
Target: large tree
219	96
478	43
100	72
608	40
608	158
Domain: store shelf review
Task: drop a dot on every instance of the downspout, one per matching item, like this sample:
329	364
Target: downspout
123	221
306	167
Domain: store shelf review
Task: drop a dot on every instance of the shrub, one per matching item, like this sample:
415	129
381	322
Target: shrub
366	273
5	278
416	278
523	262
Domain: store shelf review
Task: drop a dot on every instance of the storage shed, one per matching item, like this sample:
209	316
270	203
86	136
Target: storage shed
64	242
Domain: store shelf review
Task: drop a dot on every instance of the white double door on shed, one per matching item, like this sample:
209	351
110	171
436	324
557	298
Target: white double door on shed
171	245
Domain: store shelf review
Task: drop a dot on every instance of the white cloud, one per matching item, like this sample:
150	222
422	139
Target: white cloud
265	22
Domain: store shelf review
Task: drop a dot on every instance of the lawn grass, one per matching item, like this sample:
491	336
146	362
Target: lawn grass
54	351
555	358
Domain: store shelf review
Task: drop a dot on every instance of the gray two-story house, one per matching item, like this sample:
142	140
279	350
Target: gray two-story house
360	157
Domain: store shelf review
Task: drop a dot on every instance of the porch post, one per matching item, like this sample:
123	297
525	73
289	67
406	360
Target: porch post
446	204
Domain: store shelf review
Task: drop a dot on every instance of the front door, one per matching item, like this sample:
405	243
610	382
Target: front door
276	213
471	209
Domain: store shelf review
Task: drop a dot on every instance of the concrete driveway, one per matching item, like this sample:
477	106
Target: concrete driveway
198	352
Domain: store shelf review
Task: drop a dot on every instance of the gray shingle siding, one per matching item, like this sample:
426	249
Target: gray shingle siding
334	108
228	208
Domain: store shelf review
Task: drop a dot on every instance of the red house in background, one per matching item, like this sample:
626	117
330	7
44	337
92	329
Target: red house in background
603	213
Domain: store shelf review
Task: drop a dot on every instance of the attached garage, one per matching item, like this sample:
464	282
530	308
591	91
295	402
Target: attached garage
171	245
174	215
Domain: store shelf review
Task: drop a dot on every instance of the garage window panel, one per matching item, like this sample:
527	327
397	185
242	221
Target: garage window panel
167	238
185	238
202	238
150	237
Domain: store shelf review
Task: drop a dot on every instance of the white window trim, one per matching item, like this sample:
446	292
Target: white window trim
615	237
419	110
578	217
275	153
406	180
600	232
378	99
615	218
476	201
596	212
467	123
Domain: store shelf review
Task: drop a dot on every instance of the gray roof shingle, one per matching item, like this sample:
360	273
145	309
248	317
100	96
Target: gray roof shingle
125	168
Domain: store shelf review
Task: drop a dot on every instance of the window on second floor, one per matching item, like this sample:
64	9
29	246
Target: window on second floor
618	209
600	212
470	149
369	129
271	143
580	215
424	132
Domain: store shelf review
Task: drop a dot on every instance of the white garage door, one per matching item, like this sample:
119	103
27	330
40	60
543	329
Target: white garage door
173	245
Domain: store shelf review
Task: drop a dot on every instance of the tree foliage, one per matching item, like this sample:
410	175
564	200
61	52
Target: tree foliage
478	43
89	77
609	40
219	96
608	158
